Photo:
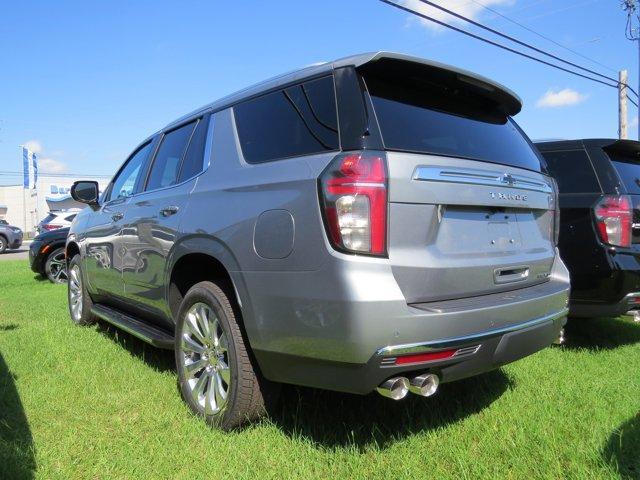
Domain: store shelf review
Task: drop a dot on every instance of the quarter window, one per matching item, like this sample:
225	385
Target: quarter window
166	166
125	182
298	120
573	171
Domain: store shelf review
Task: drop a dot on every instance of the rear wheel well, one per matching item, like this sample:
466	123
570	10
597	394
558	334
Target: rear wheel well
194	268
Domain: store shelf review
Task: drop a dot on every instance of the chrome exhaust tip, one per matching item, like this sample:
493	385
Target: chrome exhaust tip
424	385
561	338
395	388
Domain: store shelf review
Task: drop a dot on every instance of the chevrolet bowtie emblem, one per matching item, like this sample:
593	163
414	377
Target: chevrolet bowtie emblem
508	179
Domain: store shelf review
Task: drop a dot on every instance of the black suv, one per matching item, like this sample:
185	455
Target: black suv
599	182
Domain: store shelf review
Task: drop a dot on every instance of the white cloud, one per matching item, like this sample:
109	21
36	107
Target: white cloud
49	165
34	145
466	8
46	164
560	98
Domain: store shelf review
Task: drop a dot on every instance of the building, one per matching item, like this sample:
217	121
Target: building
25	207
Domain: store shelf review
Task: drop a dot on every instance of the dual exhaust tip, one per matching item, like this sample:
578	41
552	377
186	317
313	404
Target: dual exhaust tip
397	388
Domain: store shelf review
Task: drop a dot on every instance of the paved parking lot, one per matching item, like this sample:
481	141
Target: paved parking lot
21	254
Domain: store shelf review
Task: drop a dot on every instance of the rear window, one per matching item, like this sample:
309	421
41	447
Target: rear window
573	171
628	171
48	218
429	115
299	120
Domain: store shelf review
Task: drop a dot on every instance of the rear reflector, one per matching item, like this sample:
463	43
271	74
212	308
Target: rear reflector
425	357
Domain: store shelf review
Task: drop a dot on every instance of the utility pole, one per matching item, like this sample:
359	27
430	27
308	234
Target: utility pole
633	33
622	105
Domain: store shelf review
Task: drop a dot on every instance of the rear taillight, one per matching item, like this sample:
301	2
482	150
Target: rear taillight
48	227
555	208
353	192
613	215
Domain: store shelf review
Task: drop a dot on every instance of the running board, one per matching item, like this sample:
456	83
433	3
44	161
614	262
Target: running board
145	332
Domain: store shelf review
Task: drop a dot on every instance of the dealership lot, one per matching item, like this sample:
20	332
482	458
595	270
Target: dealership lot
95	402
21	253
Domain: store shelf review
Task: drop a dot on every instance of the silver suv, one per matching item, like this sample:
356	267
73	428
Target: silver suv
375	223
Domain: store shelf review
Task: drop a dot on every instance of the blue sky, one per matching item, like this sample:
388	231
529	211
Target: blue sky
86	81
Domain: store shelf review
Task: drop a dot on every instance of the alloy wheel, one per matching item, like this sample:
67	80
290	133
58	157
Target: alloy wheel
75	293
58	268
205	359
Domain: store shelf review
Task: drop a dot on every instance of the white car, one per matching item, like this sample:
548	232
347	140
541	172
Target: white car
57	219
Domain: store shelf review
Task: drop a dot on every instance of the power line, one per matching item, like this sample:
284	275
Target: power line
521	25
57	175
510	38
499	45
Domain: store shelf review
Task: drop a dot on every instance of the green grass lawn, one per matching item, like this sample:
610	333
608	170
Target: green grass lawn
97	403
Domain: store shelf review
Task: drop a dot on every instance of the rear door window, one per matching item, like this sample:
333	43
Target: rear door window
166	165
628	171
573	171
193	160
298	120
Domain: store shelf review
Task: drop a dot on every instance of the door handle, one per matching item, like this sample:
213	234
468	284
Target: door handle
168	211
117	216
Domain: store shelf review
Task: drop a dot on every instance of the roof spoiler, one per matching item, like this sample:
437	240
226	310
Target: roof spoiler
508	101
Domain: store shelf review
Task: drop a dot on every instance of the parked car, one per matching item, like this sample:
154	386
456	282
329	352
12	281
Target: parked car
10	237
57	219
375	223
47	257
599	182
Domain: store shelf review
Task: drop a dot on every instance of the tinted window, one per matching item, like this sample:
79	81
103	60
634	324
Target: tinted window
48	218
70	218
427	115
193	160
125	182
166	165
573	171
629	172
298	120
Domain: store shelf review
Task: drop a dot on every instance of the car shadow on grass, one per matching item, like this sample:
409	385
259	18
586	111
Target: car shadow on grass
17	459
338	420
622	450
156	358
600	333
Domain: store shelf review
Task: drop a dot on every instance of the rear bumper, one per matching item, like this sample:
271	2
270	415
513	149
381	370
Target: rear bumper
343	332
606	289
482	352
591	309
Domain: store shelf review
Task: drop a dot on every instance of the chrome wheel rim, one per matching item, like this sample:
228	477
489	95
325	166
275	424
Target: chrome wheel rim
58	268
75	293
204	359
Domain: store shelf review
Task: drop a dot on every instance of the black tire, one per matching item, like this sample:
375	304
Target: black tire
3	244
248	393
55	268
83	316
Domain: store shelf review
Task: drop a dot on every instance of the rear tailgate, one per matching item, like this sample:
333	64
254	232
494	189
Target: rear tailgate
469	206
458	230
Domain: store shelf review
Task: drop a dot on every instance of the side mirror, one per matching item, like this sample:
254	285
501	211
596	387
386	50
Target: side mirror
85	191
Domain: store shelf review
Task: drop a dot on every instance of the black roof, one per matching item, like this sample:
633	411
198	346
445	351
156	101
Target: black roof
609	144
